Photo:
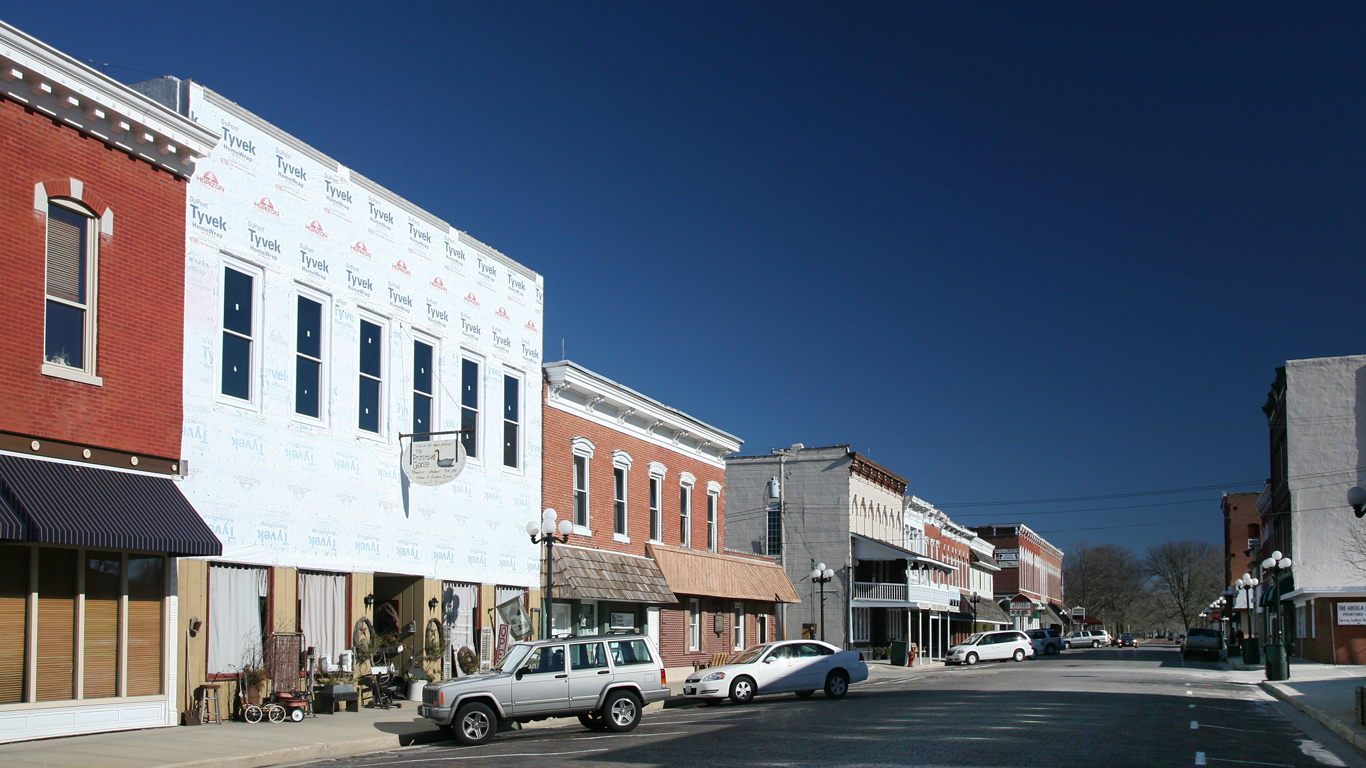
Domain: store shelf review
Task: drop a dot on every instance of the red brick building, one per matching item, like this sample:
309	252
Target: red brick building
93	253
644	486
1031	573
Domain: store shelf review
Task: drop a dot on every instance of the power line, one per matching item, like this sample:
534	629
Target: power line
1103	496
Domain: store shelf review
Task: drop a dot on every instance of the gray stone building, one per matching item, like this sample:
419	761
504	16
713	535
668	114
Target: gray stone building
828	505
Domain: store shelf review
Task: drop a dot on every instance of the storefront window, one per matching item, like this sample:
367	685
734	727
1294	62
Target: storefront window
56	624
145	589
585	619
14	576
103	586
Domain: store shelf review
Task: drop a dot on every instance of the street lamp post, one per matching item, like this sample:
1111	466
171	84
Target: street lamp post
822	576
544	533
1277	654
1250	651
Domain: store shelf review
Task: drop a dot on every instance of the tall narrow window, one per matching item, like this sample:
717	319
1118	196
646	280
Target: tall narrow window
656	515
14	589
685	515
775	529
146	588
469	407
423	390
738	627
371	374
512	419
711	521
70	318
56	672
694	624
619	499
581	491
308	358
238	332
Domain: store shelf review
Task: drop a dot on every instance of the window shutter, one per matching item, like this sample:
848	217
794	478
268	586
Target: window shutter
13	621
64	260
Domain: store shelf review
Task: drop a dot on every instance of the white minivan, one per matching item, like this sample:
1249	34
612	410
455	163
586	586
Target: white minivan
991	646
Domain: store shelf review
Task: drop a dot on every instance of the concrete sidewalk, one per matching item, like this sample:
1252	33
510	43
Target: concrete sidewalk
1326	693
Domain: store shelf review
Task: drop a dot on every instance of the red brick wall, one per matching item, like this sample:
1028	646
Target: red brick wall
673	630
557	485
141	293
1330	644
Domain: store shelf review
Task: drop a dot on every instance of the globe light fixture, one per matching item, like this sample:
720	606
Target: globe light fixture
544	533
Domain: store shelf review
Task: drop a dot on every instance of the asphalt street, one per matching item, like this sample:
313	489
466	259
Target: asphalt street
1105	707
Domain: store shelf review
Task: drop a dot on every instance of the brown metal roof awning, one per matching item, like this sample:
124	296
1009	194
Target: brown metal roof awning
710	574
988	611
592	574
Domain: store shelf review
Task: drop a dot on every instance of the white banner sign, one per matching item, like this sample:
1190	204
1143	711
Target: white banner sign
1351	614
1008	558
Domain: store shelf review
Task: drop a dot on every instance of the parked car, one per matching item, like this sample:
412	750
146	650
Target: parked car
1087	638
606	680
1046	642
991	646
1202	642
1128	639
792	666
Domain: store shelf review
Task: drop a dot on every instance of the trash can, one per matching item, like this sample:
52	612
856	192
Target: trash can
899	650
1276	668
1251	653
1361	705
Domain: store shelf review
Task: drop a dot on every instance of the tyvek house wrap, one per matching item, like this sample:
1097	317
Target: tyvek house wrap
279	489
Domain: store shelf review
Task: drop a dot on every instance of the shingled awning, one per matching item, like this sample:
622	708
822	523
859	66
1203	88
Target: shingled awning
592	574
711	574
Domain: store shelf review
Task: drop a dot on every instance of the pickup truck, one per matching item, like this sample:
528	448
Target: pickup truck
1203	642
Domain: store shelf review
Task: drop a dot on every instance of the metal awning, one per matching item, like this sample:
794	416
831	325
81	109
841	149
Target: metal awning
592	574
1270	594
83	506
987	611
872	549
12	526
712	574
1051	615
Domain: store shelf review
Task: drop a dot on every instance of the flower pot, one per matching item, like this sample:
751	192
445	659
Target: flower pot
253	696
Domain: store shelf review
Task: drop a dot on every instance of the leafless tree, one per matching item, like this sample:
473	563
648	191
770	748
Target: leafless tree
1106	580
1184	576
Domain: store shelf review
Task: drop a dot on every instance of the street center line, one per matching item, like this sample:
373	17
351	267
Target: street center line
1199	758
1195	725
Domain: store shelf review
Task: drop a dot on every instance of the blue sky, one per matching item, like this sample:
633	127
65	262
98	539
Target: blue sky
1010	251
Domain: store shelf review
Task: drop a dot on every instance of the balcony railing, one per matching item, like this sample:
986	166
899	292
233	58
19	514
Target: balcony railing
864	590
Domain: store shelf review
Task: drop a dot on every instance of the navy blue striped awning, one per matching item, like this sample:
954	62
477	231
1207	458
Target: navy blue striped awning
11	524
86	506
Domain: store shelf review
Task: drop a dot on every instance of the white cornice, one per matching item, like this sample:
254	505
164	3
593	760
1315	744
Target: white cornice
623	409
51	82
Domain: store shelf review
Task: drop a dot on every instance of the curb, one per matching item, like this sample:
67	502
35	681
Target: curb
316	751
1341	729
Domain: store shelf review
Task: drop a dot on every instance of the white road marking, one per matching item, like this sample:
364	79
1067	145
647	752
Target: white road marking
491	757
1195	725
1248	762
1200	758
1192	706
1316	750
626	735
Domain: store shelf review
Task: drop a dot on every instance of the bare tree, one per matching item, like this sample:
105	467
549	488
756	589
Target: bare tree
1106	580
1184	577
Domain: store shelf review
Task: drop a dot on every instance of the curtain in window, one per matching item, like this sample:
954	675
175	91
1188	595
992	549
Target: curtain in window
322	613
235	630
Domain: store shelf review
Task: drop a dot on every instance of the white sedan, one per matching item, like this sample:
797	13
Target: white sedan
792	666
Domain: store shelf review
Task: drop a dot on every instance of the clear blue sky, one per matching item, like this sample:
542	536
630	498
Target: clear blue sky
1011	251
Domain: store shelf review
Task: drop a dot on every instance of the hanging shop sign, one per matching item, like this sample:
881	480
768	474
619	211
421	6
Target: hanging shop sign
433	462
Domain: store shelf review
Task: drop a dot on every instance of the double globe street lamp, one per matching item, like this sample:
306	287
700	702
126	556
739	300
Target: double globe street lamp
822	576
1277	654
1248	583
544	533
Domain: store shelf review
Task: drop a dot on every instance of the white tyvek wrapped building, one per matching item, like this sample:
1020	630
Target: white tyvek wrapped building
325	315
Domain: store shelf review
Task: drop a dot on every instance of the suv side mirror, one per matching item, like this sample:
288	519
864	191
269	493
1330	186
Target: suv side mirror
521	672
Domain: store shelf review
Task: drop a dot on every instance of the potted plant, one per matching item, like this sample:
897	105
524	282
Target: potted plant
255	676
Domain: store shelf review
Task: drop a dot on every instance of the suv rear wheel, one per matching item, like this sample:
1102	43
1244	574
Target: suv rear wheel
621	712
593	721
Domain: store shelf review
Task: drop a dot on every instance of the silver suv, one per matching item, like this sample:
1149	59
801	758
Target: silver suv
606	680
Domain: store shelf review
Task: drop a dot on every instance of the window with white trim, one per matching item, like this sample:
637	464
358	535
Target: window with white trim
859	627
760	629
685	515
737	627
371	374
512	421
619	500
69	323
309	370
694	624
240	330
469	406
712	500
583	451
657	473
424	388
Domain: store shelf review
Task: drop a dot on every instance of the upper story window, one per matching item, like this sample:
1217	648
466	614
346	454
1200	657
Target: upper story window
685	514
621	466
713	500
308	357
424	389
657	472
512	420
371	376
583	451
469	407
69	328
239	332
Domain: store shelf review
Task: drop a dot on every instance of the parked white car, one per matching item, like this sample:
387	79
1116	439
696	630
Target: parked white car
991	646
793	666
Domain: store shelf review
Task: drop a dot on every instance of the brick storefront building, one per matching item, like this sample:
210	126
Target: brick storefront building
91	518
644	485
1031	572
